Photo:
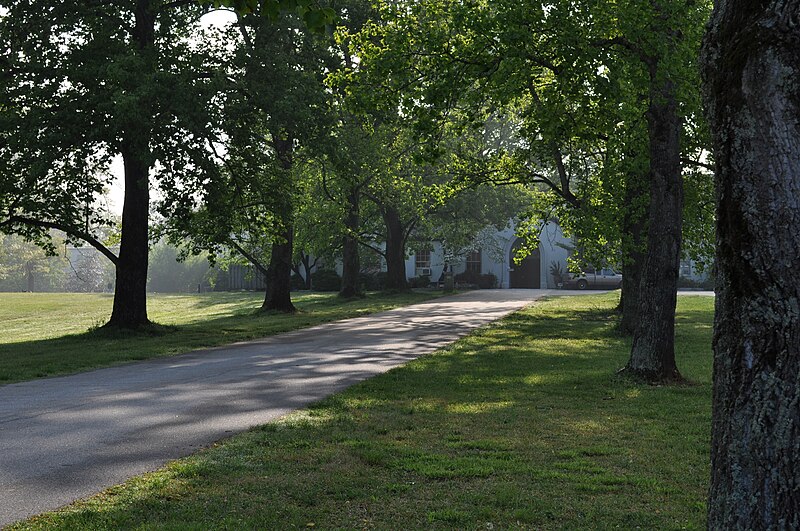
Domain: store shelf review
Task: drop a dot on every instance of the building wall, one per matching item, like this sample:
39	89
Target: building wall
553	248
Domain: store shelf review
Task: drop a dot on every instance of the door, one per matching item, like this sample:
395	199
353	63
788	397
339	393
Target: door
526	274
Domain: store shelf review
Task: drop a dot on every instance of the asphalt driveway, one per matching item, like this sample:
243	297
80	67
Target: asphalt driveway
66	438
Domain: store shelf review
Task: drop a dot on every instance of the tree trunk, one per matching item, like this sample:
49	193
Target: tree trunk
307	269
130	292
305	261
277	295
751	70
395	251
634	226
351	264
31	280
653	352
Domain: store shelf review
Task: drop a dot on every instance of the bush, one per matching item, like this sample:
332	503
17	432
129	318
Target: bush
373	281
422	281
471	278
326	280
706	284
297	282
487	281
467	277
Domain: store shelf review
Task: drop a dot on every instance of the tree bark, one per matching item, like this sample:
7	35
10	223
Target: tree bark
653	351
634	232
351	263
305	261
395	251
130	293
307	267
751	69
30	276
278	295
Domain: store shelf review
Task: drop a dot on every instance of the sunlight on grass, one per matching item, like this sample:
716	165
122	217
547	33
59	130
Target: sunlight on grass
541	435
476	407
46	334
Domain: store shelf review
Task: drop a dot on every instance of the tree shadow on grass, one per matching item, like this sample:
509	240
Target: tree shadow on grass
101	347
519	425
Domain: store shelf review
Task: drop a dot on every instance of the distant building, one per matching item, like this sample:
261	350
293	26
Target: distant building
498	259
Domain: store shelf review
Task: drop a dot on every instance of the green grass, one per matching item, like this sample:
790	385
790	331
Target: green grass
521	425
49	334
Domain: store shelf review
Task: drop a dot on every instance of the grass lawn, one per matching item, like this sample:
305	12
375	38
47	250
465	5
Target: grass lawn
521	425
47	334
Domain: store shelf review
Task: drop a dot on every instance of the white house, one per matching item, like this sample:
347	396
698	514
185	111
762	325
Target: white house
497	258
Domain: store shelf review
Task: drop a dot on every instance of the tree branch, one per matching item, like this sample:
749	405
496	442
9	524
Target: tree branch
250	258
697	164
85	236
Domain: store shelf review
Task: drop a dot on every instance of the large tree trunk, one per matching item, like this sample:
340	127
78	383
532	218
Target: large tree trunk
130	293
653	352
351	263
278	295
634	225
395	251
751	67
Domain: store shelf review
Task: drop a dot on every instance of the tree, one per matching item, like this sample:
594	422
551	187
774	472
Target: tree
275	108
571	77
84	82
171	272
315	16
89	271
25	266
752	92
653	350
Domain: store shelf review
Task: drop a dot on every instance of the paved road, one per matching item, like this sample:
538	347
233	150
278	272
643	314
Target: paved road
66	438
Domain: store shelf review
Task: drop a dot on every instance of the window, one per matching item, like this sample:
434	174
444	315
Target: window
474	262
423	263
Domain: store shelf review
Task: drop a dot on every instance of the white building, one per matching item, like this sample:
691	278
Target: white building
498	259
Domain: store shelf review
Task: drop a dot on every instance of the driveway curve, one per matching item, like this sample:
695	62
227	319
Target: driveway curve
66	438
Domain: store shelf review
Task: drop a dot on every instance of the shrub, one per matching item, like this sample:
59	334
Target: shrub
373	281
467	277
422	281
707	283
326	280
471	278
297	282
487	281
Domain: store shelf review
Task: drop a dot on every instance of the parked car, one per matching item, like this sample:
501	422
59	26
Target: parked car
589	278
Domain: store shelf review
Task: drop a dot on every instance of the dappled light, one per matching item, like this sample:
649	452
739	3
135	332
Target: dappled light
46	334
454	438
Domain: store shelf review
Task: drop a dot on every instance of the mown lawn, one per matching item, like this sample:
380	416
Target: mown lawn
521	425
47	334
